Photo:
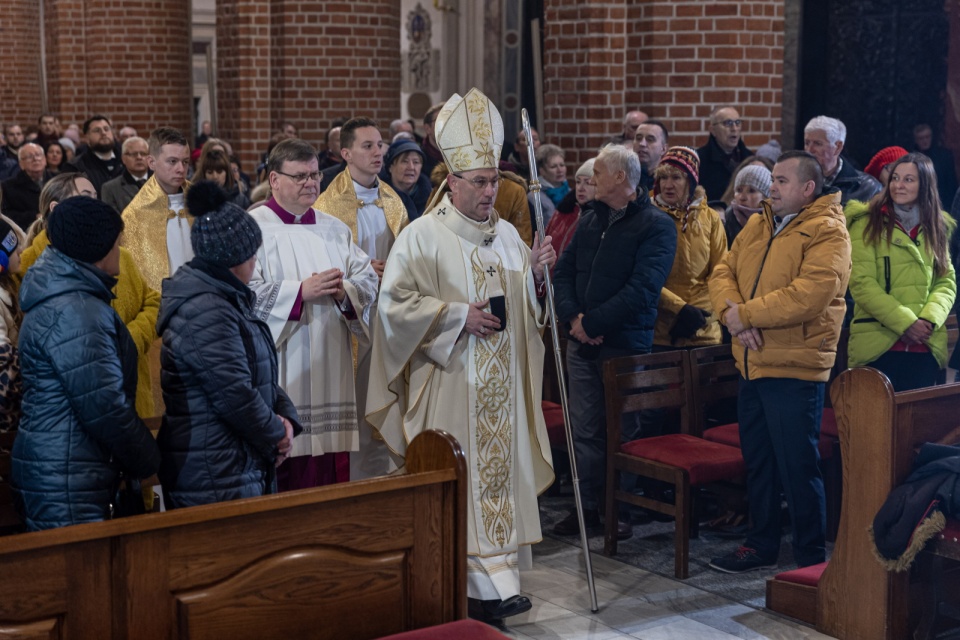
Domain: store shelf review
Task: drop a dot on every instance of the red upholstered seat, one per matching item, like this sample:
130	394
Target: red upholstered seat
950	533
729	434
808	576
704	461
553	416
828	423
459	630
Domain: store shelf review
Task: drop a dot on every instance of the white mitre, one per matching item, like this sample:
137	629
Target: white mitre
469	132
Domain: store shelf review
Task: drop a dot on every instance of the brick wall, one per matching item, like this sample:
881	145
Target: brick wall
20	54
674	59
305	62
128	59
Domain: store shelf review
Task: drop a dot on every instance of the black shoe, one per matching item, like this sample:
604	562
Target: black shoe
624	530
494	611
742	560
570	526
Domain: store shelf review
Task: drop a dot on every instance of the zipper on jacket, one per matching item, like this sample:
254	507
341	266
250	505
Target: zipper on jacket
886	272
756	283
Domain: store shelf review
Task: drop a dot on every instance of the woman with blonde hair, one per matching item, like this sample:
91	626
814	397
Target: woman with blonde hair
903	281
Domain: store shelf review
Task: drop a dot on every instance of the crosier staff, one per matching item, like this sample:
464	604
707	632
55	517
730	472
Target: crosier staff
554	332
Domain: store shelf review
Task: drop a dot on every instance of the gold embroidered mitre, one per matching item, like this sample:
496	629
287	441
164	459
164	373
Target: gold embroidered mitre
469	132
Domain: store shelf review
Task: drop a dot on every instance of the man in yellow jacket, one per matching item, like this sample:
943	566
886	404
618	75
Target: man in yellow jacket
780	293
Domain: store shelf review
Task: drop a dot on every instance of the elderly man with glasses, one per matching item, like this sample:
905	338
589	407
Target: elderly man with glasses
21	193
121	191
315	289
723	152
457	346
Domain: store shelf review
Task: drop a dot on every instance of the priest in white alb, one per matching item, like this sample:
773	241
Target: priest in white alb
315	288
457	347
375	214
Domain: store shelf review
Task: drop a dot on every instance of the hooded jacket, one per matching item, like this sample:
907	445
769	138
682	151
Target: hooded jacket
791	287
701	245
79	427
893	284
219	378
613	273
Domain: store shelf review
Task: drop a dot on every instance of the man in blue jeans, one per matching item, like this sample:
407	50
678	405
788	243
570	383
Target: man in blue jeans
607	286
780	293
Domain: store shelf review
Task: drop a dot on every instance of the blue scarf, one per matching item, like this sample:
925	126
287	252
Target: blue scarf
556	194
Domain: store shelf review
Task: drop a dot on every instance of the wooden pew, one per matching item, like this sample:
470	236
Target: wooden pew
357	560
856	598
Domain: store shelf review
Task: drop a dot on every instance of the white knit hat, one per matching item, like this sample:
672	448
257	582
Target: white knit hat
756	176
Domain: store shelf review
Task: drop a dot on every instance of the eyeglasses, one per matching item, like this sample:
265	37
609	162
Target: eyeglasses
301	178
481	183
99	130
33	156
730	124
136	154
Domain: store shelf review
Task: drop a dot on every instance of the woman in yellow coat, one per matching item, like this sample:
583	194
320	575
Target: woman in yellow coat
135	302
684	316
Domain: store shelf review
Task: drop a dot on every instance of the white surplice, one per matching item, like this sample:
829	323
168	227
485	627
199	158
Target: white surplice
428	374
316	362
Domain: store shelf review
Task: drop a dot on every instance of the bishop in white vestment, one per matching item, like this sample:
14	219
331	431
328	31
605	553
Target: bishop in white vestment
315	288
443	360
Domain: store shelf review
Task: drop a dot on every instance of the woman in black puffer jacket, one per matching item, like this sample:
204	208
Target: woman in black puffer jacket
79	365
227	422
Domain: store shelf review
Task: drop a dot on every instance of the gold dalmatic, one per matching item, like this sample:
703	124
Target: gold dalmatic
145	231
340	201
494	408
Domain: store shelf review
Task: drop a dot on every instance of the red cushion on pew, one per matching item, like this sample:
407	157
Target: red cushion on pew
461	630
950	533
729	434
704	461
808	576
553	416
828	424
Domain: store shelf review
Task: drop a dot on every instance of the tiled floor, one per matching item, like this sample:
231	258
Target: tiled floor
633	604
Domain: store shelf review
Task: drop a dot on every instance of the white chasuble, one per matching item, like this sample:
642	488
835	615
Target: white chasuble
429	374
315	357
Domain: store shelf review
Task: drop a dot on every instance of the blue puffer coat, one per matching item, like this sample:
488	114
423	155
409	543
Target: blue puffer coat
79	425
219	377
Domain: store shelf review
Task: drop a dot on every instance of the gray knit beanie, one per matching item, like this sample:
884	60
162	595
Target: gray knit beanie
756	176
222	233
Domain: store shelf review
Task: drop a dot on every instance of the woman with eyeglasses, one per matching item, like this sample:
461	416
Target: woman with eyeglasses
903	281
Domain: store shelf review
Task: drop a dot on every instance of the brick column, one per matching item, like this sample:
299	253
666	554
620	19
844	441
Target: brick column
674	59
244	77
138	63
20	52
585	73
306	63
690	56
129	60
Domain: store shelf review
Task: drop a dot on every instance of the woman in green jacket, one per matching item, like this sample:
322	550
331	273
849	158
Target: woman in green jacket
903	282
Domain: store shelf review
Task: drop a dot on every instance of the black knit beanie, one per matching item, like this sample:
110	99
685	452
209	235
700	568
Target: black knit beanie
223	233
84	228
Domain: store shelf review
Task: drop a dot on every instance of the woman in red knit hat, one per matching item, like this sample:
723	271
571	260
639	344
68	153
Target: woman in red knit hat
879	165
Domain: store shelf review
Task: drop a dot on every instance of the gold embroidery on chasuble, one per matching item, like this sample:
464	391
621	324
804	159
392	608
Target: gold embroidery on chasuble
494	407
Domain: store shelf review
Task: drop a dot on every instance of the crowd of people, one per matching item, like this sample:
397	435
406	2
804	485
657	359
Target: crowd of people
298	327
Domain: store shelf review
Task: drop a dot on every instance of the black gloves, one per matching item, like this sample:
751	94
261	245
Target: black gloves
689	320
